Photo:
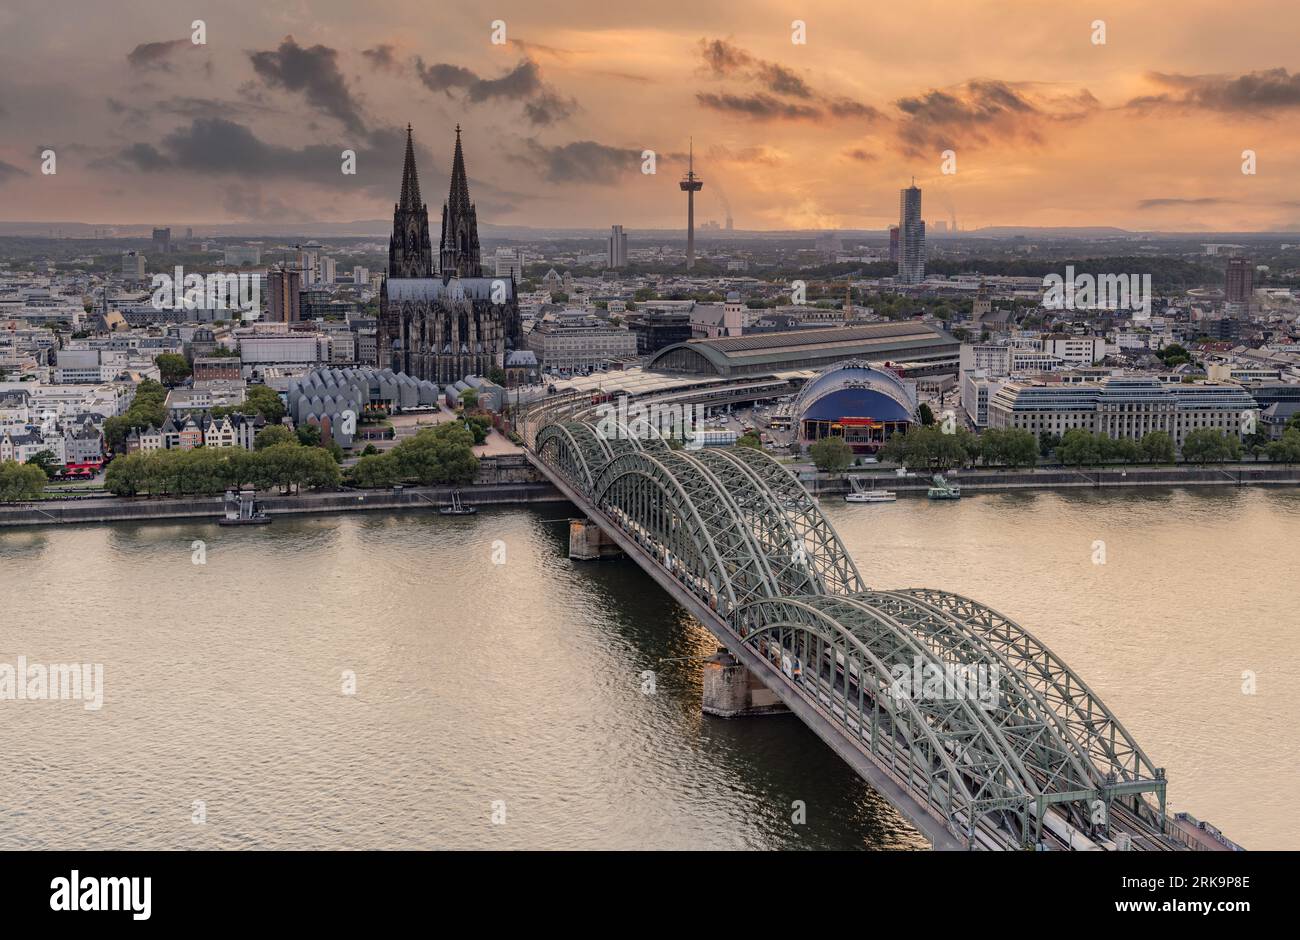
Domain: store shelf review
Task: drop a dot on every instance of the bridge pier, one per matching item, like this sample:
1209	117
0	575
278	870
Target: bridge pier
732	691
588	541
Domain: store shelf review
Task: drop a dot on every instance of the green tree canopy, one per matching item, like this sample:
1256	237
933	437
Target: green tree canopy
831	454
20	482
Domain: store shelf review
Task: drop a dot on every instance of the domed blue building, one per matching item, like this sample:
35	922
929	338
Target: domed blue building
858	401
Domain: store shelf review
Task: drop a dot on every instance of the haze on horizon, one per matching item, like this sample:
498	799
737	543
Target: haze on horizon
1145	132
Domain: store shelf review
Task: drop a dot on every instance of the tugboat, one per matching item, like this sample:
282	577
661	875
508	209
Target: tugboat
860	495
243	509
942	489
456	507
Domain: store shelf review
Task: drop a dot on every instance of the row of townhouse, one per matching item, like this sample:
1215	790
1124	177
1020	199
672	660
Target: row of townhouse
187	432
73	441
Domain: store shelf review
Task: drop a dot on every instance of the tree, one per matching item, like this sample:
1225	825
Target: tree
497	375
1047	442
1010	447
831	454
369	450
1207	445
926	413
1079	448
441	454
309	435
173	368
20	482
45	461
273	434
1287	448
469	399
477	425
1157	447
265	401
376	471
749	439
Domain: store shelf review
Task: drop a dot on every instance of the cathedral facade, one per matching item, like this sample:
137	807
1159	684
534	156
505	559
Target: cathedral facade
441	322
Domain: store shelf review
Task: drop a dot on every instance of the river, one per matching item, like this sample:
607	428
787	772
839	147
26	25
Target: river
502	695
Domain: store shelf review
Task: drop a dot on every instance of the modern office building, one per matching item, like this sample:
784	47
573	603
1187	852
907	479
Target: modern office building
133	266
1122	406
284	289
162	240
893	244
616	248
509	264
911	231
1239	285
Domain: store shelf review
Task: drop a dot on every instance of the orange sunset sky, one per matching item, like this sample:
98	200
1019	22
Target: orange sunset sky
1049	128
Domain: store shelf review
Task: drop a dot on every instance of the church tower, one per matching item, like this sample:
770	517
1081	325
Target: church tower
458	249
410	252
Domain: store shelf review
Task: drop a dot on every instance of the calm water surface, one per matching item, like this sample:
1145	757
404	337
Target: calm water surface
522	682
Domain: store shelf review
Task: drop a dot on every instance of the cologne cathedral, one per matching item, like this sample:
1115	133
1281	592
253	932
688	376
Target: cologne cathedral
446	322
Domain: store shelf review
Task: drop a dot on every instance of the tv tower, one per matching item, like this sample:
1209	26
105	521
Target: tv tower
691	184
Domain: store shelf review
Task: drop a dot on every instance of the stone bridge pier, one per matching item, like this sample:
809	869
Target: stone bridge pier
732	691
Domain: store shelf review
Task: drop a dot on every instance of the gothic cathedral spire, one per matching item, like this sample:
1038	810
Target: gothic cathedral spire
458	249
410	251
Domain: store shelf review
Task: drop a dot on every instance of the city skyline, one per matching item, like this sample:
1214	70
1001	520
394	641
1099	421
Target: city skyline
1048	126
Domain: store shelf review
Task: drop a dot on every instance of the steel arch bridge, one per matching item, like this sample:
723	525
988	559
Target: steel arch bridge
969	721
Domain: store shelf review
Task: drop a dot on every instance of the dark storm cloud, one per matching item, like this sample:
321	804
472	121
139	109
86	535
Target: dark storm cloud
1165	203
548	108
214	147
314	71
542	104
782	81
973	114
723	59
861	156
8	171
1250	93
154	55
144	157
759	105
381	57
583	161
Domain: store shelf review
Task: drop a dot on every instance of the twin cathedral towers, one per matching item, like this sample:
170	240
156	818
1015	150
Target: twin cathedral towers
446	321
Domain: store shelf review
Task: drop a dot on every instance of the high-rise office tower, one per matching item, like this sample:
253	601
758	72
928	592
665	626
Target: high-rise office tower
911	236
328	269
616	247
1240	285
162	240
132	266
893	244
283	288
